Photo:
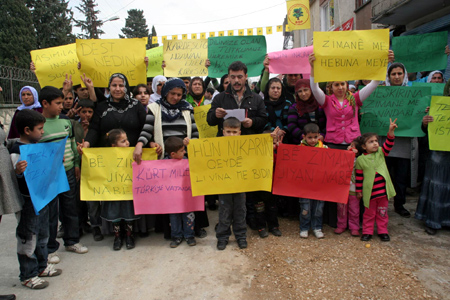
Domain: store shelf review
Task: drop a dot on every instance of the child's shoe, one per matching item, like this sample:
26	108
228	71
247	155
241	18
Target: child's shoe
384	237
318	233
50	271
35	283
53	258
221	244
263	233
366	237
77	248
339	230
191	241
354	232
304	234
242	243
175	242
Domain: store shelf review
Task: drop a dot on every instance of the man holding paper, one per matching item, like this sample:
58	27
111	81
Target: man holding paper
237	96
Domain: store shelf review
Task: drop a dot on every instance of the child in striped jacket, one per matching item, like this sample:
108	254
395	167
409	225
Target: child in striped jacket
373	183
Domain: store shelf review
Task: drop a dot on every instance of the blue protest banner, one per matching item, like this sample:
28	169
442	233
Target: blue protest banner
45	174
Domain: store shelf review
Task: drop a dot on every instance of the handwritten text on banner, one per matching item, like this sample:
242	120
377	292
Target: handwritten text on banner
52	65
232	164
101	58
185	57
164	187
106	173
350	55
407	104
439	129
204	130
313	173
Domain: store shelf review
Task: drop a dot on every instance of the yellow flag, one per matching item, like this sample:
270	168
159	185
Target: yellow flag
194	36
230	32
204	130
259	31
241	32
250	31
231	164
52	65
184	36
106	173
212	34
154	40
164	38
101	58
298	14
349	55
174	37
288	28
203	35
279	28
269	30
221	33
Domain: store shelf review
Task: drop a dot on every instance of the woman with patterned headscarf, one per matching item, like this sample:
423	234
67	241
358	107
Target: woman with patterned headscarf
30	100
120	111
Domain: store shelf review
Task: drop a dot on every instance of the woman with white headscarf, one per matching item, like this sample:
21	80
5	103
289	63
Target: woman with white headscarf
157	85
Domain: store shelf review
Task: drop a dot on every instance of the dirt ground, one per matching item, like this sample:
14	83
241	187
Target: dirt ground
412	266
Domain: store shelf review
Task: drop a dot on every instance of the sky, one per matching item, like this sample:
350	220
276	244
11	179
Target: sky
172	17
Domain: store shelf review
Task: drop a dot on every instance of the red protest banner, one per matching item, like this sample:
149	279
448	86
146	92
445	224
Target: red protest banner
313	173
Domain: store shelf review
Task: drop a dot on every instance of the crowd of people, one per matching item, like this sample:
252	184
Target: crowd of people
159	114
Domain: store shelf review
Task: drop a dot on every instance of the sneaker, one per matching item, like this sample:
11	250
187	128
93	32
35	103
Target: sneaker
50	271
221	245
354	232
60	233
201	233
304	234
175	242
35	283
242	243
97	233
191	241
275	231
53	258
339	230
318	233
77	248
263	233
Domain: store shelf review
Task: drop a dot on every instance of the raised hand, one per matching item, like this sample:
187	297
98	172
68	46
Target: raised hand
392	126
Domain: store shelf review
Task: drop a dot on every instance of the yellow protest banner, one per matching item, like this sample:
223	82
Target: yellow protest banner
52	65
230	32
232	164
269	30
101	58
279	28
241	32
185	58
439	129
212	34
106	173
349	55
250	31
154	40
204	130
298	14
155	59
259	31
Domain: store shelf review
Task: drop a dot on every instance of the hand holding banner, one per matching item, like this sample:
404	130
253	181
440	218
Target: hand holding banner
350	55
313	173
164	187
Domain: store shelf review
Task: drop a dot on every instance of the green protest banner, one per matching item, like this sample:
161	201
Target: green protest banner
155	59
422	52
439	129
407	104
437	89
222	51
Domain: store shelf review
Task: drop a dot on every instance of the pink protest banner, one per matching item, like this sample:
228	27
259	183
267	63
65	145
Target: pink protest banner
164	187
313	173
293	61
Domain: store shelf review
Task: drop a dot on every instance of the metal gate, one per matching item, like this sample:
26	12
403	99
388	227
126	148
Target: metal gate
12	79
